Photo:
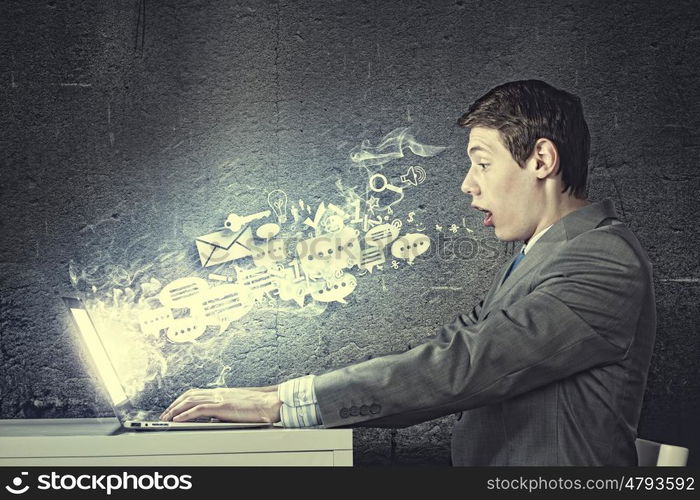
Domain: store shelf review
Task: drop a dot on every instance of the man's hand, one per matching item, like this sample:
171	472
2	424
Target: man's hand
256	404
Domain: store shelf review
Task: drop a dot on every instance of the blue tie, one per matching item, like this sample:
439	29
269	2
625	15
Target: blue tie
515	263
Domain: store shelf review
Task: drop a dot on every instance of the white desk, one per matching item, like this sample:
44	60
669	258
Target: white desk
93	442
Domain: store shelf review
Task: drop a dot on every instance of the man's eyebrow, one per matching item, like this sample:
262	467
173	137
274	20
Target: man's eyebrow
478	148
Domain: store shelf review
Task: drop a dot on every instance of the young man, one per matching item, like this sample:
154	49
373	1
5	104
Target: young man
550	367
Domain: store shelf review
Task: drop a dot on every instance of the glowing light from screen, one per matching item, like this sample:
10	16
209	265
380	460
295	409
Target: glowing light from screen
99	356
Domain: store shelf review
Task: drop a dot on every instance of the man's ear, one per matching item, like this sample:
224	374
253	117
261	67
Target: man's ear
546	158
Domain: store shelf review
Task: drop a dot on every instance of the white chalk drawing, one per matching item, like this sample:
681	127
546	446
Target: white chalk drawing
187	329
301	260
224	246
152	321
410	246
379	183
277	200
329	252
416	175
269	252
267	231
372	257
454	228
382	235
258	281
182	292
235	222
335	290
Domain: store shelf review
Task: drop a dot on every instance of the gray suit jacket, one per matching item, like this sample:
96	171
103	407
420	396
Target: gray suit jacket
548	369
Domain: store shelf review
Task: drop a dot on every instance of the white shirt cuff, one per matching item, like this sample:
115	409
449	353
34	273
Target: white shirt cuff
299	405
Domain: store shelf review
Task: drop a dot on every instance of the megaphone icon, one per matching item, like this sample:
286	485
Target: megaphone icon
415	175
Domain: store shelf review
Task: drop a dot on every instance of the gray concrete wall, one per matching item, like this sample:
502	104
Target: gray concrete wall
130	128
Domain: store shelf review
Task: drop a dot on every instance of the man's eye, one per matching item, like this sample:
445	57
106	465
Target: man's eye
482	165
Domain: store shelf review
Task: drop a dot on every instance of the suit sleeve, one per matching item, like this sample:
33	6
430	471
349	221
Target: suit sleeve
581	312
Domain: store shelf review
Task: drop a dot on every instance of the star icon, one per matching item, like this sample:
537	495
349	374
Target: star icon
372	203
438	228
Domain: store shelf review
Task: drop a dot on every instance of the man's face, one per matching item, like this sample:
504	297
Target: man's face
500	186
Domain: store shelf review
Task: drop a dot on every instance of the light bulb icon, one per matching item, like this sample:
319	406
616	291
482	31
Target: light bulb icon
277	200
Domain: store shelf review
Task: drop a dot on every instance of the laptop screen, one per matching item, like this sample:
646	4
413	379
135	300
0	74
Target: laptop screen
93	343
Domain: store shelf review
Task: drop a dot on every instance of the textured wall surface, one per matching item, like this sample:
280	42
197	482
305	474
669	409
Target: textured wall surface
130	128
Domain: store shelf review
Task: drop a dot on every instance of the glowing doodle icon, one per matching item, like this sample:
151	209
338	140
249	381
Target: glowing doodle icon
372	257
188	329
372	203
270	252
235	222
415	175
296	291
330	218
258	281
292	285
277	200
295	214
379	183
382	235
438	228
224	246
454	228
267	231
328	252
394	264
17	482
154	320
410	246
333	224
397	223
182	292
224	304
317	217
218	277
335	290
411	215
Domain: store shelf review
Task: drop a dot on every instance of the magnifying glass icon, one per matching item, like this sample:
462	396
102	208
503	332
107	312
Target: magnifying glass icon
379	182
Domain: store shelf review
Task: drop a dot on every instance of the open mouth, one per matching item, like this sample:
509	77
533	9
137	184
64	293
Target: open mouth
488	217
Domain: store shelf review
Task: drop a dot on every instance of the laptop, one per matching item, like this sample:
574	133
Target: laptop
130	418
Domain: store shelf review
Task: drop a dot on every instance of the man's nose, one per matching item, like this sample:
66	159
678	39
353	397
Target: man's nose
468	185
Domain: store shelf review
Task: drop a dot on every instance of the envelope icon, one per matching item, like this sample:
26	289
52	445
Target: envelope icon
224	246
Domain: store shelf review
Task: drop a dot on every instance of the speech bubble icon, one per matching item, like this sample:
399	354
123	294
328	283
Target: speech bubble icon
224	304
410	246
371	257
152	321
381	235
267	231
182	292
329	252
335	290
183	330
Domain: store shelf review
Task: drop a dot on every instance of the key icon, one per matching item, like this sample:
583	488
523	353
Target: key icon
235	222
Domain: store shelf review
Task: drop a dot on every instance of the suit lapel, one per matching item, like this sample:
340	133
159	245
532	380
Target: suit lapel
539	253
564	229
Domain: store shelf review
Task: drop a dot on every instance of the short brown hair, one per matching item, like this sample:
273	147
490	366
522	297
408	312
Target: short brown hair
527	110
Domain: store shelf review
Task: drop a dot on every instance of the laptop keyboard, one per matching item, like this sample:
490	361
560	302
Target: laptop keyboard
149	416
